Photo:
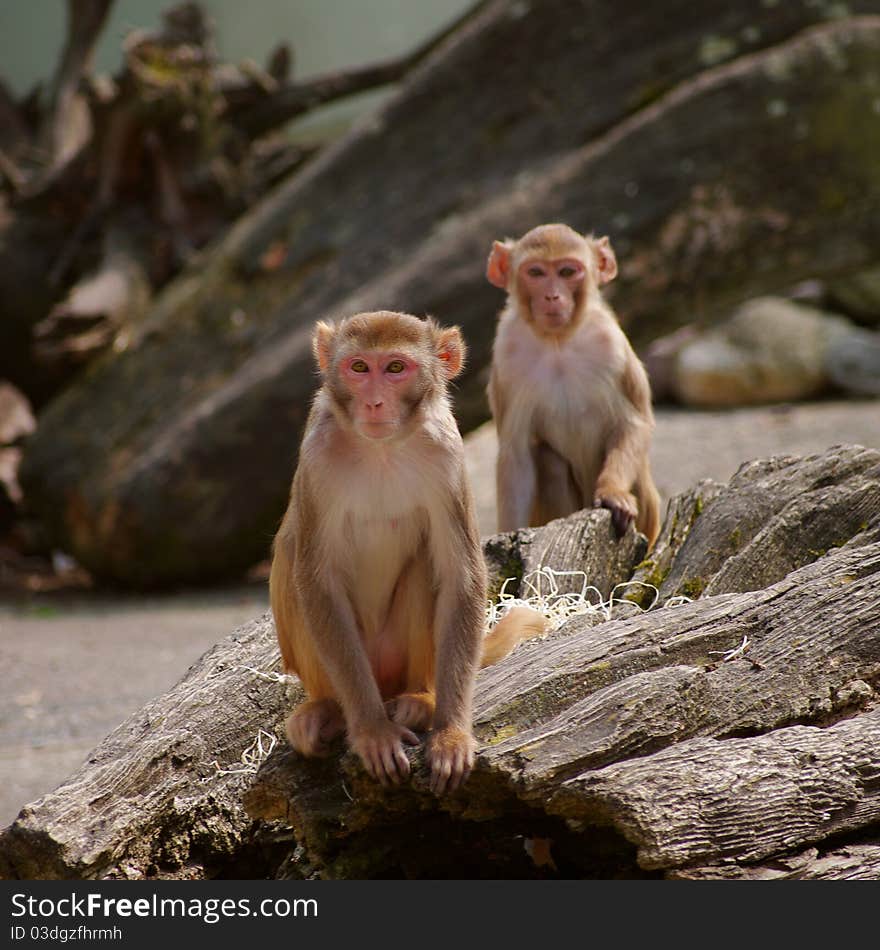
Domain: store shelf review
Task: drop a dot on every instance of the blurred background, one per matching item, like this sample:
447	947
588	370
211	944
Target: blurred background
185	189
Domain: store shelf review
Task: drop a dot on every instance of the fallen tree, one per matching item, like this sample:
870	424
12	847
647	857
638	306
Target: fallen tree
732	736
717	182
109	186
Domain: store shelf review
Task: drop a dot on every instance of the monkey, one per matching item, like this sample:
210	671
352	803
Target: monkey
378	583
570	398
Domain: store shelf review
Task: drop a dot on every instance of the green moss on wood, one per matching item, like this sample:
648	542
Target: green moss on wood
693	587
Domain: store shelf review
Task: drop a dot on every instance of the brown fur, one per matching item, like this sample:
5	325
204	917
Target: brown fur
571	400
378	583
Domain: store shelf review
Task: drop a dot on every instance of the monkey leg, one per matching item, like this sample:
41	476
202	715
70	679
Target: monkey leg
557	493
413	710
648	518
409	624
313	726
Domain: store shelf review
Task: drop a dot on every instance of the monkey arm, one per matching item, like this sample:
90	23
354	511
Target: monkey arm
459	623
624	458
627	447
496	403
516	483
459	618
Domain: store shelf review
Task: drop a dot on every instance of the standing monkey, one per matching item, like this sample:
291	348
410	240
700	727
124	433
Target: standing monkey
378	584
570	398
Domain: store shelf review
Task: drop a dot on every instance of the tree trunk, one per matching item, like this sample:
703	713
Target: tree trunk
734	736
718	164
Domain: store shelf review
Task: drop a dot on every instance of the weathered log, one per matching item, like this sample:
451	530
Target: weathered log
164	141
741	800
258	114
16	422
725	225
556	712
590	741
100	305
774	516
67	123
858	862
161	796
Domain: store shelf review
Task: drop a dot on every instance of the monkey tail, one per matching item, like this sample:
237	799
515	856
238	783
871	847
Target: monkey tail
519	623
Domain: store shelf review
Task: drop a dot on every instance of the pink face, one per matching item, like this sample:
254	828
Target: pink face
377	383
552	288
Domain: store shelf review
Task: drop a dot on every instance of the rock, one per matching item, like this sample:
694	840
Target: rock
770	350
661	359
852	362
858	296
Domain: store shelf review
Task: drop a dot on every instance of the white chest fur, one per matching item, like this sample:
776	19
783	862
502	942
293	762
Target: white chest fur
553	389
384	499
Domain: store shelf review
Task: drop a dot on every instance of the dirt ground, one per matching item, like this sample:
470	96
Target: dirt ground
75	665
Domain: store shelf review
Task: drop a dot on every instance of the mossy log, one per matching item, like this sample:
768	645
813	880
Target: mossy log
733	736
718	164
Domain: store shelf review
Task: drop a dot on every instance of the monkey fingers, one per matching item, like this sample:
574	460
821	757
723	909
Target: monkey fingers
380	748
622	506
450	758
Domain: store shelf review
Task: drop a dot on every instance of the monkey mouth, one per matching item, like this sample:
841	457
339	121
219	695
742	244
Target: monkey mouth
554	319
377	431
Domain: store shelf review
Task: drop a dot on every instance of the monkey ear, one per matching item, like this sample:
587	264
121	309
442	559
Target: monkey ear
322	343
605	260
450	349
498	266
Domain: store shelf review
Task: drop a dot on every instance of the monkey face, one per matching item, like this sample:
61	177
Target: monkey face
554	289
379	384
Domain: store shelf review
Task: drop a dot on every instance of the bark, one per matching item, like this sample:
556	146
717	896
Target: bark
99	306
735	736
177	138
859	862
256	115
67	125
775	515
739	800
162	795
701	179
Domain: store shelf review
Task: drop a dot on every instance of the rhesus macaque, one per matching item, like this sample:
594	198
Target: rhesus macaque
378	583
571	400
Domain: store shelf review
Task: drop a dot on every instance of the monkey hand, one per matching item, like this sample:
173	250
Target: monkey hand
380	746
623	508
450	758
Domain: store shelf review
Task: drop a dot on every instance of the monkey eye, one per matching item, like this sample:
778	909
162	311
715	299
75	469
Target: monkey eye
395	366
567	271
359	366
535	272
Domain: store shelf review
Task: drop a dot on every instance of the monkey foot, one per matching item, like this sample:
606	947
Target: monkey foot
413	710
313	725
